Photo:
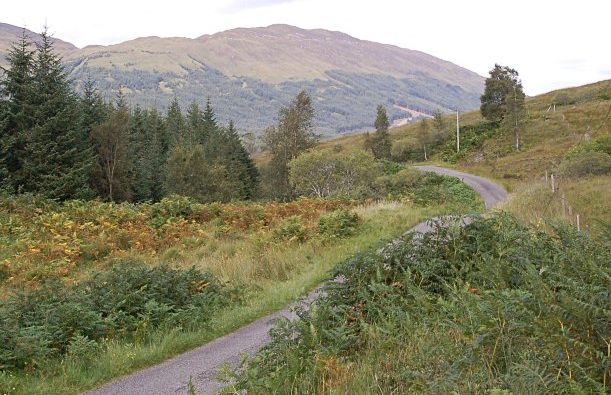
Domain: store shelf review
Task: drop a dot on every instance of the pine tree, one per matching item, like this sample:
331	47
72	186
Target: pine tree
16	112
381	145
93	109
209	119
58	159
213	137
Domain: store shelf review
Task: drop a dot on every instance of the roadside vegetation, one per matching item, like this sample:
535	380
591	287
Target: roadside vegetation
214	269
495	307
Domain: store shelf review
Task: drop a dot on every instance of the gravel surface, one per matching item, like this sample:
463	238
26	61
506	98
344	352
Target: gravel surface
202	364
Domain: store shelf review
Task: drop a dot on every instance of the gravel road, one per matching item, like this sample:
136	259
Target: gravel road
202	363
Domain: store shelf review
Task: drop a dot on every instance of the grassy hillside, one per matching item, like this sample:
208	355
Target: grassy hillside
249	73
582	118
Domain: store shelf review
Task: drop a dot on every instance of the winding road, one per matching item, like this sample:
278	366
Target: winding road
202	364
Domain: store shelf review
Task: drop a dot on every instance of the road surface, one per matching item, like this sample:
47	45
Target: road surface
202	364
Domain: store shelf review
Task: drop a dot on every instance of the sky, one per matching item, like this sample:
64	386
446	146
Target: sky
552	44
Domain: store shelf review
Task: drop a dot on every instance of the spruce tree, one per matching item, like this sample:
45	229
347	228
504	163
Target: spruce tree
58	159
175	125
381	145
141	156
240	165
16	112
160	147
195	124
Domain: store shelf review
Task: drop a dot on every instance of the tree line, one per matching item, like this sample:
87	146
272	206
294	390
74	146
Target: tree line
62	145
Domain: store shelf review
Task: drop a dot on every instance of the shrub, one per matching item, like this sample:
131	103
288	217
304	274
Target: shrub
170	208
586	163
428	189
600	144
131	298
338	224
291	229
325	173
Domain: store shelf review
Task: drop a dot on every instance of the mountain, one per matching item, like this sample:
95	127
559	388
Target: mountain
250	72
10	33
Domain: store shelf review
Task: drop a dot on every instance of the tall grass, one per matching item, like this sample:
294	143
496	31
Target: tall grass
589	197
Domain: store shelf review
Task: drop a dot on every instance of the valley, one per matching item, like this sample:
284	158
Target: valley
280	210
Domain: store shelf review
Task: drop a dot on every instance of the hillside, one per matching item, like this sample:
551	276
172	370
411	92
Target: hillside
249	73
581	114
580	119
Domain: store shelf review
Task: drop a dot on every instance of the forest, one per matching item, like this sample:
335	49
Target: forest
61	145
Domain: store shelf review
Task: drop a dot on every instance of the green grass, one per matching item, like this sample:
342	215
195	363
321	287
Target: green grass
380	221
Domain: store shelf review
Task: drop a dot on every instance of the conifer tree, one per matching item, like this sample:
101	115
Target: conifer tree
175	124
160	147
240	165
209	119
58	159
195	124
16	112
93	109
141	156
381	145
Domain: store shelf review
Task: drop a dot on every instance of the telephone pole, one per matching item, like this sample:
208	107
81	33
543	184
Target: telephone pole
457	133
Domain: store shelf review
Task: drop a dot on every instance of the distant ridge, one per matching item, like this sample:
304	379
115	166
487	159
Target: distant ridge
250	72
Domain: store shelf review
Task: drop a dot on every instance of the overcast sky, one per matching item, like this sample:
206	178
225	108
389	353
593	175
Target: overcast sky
553	44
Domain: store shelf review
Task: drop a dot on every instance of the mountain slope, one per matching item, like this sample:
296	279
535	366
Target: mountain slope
249	73
10	33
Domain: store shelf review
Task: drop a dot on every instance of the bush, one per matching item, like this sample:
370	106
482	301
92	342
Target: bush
585	163
338	224
126	301
291	229
170	208
428	189
600	144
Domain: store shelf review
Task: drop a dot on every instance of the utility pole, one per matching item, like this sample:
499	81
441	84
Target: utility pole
457	133
515	109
